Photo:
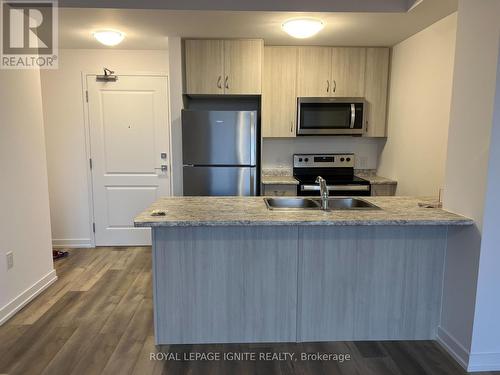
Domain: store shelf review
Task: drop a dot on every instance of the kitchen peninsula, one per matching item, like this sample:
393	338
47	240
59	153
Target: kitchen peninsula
228	269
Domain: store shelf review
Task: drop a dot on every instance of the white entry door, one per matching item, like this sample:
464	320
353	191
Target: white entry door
130	156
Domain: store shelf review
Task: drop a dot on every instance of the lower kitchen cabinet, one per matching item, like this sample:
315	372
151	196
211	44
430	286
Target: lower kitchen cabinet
289	283
369	282
383	190
225	284
280	190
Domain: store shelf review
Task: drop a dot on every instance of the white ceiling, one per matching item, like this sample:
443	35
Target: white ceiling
149	29
255	5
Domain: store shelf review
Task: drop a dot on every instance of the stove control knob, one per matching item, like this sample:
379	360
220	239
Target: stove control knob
348	159
306	160
300	159
342	159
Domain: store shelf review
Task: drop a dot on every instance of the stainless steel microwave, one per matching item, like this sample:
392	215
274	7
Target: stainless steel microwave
330	116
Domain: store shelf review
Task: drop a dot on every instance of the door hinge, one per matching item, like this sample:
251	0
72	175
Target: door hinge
93	227
90	163
87	96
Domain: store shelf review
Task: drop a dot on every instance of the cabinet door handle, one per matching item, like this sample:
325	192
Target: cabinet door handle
291	127
219	83
334	86
226	83
327	86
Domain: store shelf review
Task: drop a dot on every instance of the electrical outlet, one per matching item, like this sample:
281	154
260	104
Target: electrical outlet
10	260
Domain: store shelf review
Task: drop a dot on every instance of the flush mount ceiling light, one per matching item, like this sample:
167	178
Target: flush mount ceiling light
302	27
109	37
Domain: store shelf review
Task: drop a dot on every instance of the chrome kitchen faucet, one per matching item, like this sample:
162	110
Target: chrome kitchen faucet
324	192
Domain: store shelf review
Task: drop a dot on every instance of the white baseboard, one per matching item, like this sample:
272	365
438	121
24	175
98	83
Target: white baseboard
453	347
484	362
7	311
71	243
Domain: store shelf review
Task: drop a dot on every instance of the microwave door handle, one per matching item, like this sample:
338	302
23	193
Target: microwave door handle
353	115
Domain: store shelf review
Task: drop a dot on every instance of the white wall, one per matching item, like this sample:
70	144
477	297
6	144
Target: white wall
467	169
65	136
472	106
278	152
419	109
24	199
486	333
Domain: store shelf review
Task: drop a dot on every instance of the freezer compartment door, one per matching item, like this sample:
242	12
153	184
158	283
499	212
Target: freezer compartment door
219	181
219	137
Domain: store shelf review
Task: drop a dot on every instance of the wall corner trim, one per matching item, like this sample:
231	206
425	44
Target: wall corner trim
7	311
453	347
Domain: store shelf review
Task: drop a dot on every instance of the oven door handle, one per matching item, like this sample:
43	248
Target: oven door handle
336	188
353	115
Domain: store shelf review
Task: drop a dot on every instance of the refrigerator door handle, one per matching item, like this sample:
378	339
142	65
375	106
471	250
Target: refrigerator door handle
252	182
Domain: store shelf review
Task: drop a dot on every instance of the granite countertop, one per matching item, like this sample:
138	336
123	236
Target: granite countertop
278	176
279	180
283	176
227	211
375	179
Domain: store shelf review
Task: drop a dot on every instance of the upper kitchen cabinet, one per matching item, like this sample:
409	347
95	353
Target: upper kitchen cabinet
376	85
348	72
243	66
204	66
327	71
279	98
353	72
314	71
223	66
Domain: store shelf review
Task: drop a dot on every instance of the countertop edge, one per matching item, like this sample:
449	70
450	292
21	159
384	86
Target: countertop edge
376	179
279	180
464	222
290	180
382	182
252	211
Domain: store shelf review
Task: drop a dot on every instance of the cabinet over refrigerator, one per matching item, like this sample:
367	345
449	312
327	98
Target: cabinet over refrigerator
219	151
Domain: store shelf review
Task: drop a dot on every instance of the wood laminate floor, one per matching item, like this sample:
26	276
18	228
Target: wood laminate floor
98	319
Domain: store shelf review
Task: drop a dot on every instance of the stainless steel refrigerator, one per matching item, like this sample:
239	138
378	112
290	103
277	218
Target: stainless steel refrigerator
219	153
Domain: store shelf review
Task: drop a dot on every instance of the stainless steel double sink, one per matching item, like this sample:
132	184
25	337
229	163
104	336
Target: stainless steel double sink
315	204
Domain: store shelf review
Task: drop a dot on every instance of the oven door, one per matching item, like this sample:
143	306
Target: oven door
330	116
335	190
